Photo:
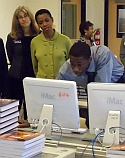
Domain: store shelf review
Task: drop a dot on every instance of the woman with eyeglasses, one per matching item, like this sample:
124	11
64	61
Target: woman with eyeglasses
23	30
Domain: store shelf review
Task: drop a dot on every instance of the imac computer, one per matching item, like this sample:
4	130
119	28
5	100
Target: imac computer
52	101
106	103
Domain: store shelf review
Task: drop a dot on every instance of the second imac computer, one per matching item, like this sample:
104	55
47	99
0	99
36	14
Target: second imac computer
52	101
106	102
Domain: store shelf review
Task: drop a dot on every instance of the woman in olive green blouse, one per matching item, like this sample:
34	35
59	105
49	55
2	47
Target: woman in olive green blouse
50	49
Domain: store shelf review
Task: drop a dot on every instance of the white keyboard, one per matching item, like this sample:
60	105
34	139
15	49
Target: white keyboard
67	130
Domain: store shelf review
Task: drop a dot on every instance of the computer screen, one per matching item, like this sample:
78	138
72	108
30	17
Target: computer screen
102	98
59	93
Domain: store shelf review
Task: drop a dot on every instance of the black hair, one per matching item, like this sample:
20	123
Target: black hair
84	26
80	49
42	11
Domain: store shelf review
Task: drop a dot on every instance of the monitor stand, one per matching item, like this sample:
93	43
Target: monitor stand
113	120
45	121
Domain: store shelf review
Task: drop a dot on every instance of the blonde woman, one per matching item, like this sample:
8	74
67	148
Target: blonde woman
23	30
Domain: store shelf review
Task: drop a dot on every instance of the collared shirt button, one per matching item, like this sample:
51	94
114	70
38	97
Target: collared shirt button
50	53
46	64
51	64
51	43
52	75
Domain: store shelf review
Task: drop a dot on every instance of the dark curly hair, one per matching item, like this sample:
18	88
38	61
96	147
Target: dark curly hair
84	26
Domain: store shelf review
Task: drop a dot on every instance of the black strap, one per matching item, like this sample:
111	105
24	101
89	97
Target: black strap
91	76
122	79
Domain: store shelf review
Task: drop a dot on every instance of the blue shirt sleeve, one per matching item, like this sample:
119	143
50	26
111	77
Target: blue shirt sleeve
104	65
63	71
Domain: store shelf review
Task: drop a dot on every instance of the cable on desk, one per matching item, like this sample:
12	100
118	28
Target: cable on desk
93	142
103	147
98	135
85	149
113	133
60	132
34	124
115	127
88	145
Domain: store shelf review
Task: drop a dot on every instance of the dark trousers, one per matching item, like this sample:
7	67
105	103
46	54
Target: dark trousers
16	91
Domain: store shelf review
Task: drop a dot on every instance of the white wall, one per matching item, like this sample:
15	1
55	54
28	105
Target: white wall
95	14
54	6
7	8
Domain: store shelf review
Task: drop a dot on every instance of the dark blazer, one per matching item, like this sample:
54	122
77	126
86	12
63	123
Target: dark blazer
19	55
3	70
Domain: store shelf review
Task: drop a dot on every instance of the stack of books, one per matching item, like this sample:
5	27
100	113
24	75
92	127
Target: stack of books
117	151
21	144
8	114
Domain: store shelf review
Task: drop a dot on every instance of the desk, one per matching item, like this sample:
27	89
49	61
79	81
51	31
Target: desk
72	143
59	152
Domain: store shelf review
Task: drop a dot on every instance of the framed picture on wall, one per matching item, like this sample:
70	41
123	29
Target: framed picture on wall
120	21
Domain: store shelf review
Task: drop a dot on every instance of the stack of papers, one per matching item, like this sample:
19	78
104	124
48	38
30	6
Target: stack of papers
8	114
21	144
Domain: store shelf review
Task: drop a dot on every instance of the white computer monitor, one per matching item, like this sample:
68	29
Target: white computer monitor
102	99
59	93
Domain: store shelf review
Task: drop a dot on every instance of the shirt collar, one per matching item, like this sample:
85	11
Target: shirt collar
91	67
56	34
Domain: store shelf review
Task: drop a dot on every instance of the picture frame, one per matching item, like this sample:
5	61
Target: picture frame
120	21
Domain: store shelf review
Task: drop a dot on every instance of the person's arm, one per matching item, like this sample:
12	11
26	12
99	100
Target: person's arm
33	57
9	48
63	71
68	46
60	76
3	70
122	51
103	64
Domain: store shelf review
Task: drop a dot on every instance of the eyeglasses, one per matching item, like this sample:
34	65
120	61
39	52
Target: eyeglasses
25	16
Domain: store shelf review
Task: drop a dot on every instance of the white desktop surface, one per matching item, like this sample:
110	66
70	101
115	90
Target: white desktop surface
74	141
59	152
